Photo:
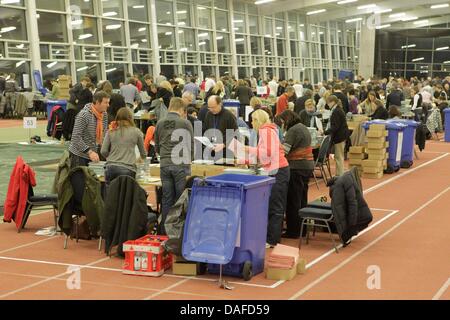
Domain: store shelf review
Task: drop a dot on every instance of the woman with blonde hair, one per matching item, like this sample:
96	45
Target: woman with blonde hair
165	92
119	146
217	90
270	154
368	106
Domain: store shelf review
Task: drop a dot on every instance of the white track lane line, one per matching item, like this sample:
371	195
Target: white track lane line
442	290
329	273
26	245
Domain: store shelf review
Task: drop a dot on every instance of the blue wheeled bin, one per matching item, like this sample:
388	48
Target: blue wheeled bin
53	103
409	139
395	138
447	124
234	106
226	224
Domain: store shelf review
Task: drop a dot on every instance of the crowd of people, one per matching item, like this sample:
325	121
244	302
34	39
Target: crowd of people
102	126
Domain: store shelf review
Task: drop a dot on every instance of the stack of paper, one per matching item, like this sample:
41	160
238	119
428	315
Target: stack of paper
283	257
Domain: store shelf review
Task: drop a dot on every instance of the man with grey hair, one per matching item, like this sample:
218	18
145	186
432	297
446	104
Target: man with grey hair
188	99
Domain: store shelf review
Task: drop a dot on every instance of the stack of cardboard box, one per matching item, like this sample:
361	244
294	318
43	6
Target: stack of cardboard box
356	157
64	87
374	167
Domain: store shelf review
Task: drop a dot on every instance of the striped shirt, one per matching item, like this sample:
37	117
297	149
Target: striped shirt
84	133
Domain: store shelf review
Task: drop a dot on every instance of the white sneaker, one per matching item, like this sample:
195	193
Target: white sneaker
269	246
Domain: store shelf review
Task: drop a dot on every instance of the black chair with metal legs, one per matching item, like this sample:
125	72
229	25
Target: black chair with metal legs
319	216
322	162
40	200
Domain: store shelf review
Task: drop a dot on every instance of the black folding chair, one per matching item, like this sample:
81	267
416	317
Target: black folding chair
323	162
317	214
40	200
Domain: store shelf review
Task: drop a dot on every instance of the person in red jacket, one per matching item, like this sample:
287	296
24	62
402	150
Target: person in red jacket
22	177
283	101
139	84
270	154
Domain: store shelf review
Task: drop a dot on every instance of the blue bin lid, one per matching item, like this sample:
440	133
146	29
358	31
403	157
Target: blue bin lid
57	102
238	180
212	223
409	123
389	125
231	103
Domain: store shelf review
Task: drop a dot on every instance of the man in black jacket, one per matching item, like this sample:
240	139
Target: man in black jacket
338	129
337	91
300	103
380	112
395	98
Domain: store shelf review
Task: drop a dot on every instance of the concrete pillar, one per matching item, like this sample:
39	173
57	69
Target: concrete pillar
154	39
33	38
367	52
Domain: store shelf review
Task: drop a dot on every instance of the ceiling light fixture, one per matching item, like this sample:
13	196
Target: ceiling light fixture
316	12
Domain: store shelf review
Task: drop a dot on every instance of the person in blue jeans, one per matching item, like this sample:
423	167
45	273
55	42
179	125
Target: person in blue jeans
174	142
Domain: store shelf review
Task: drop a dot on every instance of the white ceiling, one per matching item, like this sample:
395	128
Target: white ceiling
411	8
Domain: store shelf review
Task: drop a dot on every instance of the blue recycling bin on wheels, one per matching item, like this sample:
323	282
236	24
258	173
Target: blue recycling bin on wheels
395	138
53	103
409	140
447	124
226	224
233	105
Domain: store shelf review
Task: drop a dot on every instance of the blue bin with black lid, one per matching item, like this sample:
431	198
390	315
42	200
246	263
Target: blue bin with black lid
234	106
226	224
409	139
447	124
395	138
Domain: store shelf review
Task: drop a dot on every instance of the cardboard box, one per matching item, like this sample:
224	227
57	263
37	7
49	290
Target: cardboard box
377	145
301	266
372	163
376	133
213	170
377	127
184	268
373	175
375	140
378	152
378	157
355	162
357	150
155	170
281	274
354	156
197	170
373	170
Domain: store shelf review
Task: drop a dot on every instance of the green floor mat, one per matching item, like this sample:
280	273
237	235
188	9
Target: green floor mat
41	158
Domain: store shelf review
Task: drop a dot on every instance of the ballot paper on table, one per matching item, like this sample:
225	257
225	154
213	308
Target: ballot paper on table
205	141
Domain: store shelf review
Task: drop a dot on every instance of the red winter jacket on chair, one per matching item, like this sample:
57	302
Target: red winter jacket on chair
22	177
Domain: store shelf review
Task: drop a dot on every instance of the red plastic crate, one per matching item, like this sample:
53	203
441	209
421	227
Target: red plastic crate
146	256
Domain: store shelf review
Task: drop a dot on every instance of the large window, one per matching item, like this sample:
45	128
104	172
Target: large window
81	7
84	30
12	24
52	27
204	17
139	35
112	8
187	40
204	41
223	43
166	38
137	10
113	33
222	20
164	12
54	5
183	15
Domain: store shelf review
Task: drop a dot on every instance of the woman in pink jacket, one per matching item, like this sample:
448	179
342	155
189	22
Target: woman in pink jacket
270	155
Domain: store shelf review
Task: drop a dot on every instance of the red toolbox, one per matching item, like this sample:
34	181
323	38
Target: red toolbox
146	256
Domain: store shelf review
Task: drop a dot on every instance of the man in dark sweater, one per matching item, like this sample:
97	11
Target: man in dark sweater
300	103
380	112
337	91
395	98
217	122
174	142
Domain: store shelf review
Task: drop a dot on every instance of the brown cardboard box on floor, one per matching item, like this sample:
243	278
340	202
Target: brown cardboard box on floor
373	175
301	266
354	156
377	127
357	150
355	162
281	274
184	268
373	170
377	145
213	170
376	133
197	170
155	170
372	163
379	157
378	152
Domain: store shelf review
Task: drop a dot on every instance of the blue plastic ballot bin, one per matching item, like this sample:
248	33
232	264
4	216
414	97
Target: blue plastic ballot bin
53	103
447	124
226	224
395	138
409	139
233	105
